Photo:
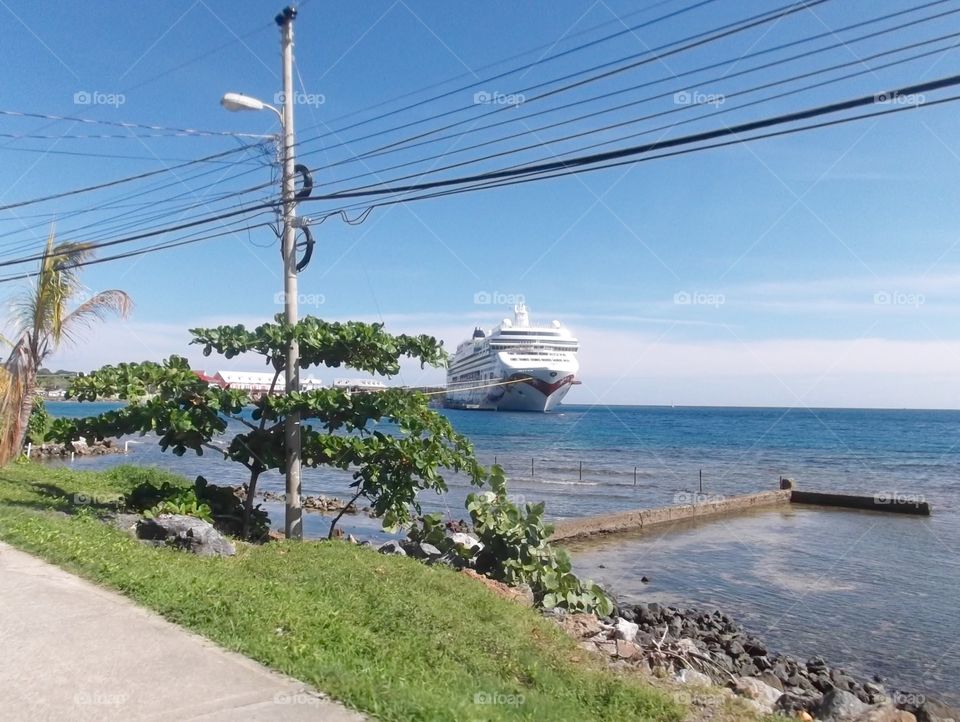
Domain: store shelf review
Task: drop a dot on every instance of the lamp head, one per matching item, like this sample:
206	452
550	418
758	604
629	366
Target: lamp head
239	101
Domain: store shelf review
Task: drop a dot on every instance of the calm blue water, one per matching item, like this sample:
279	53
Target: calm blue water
885	585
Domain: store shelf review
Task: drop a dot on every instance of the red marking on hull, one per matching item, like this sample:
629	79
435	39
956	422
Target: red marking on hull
542	386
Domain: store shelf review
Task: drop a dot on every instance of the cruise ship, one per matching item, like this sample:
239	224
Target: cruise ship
518	366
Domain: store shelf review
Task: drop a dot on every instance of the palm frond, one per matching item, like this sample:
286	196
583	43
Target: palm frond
97	308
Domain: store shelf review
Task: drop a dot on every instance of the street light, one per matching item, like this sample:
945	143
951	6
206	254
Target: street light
235	102
238	101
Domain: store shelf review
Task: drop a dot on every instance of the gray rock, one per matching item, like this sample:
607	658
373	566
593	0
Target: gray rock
771	679
934	711
691	676
760	692
391	547
185	532
465	541
838	705
430	551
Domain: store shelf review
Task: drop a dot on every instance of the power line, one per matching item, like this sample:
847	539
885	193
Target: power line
619	20
129	126
521	68
119	181
679	109
531	175
650	55
149	234
385	150
143	251
912	90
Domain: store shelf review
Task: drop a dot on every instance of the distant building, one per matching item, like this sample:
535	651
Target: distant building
360	384
256	382
200	374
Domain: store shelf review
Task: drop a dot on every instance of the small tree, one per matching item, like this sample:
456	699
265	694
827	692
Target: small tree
45	315
188	414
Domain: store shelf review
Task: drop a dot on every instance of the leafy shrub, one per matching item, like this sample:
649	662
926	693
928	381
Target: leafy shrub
218	505
39	423
516	551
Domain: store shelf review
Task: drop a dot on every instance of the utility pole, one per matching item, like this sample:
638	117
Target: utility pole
293	523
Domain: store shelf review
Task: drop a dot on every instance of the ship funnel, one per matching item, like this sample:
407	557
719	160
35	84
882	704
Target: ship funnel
521	315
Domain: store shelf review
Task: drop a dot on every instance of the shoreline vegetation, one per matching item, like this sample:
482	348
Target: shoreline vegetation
384	634
322	612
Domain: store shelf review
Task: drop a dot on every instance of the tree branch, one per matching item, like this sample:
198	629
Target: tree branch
333	524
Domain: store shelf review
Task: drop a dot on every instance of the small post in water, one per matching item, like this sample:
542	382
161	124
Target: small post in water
531	467
634	477
29	449
581	470
701	481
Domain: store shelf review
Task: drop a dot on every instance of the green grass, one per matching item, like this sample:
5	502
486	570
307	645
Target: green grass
386	635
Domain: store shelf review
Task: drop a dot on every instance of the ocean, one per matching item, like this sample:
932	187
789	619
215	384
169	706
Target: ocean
872	592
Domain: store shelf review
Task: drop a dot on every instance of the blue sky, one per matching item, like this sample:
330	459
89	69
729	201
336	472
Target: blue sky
822	268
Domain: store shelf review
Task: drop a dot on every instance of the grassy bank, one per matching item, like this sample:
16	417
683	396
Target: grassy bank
386	635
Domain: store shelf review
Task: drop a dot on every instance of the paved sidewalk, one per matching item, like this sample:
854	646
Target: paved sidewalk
70	650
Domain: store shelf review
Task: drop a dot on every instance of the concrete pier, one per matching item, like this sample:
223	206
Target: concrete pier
899	504
701	507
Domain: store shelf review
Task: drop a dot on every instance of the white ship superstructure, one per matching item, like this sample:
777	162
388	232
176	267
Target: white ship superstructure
518	366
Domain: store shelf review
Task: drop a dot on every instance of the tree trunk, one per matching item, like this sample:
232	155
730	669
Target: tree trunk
248	503
16	411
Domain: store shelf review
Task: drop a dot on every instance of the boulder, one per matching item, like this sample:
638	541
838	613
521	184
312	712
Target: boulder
886	713
626	631
760	692
934	711
627	650
691	676
839	705
579	626
465	541
771	680
392	547
185	532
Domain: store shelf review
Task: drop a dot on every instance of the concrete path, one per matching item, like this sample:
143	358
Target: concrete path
70	650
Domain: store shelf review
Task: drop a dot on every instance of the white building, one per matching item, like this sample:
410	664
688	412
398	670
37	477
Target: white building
360	384
258	382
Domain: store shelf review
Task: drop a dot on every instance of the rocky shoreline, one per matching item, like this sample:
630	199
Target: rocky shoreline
322	504
79	448
708	648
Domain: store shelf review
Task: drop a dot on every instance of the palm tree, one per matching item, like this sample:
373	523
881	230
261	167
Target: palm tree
43	319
